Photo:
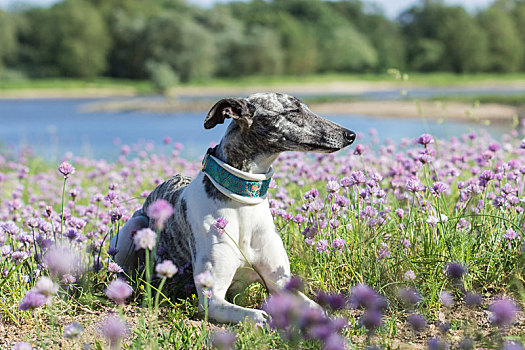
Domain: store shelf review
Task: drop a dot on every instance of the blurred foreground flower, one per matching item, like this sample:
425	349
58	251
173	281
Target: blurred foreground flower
223	340
73	330
145	239
166	269
118	291
160	210
503	312
22	346
62	260
114	329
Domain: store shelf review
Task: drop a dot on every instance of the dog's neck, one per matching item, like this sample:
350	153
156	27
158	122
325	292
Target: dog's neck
242	157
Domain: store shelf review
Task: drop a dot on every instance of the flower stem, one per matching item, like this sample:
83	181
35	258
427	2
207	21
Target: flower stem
62	211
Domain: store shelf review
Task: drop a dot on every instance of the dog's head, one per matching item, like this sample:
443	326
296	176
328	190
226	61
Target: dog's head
277	122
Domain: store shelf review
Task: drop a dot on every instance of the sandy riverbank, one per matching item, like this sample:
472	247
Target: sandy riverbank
399	109
201	98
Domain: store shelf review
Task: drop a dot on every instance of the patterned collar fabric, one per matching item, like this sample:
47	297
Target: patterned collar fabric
241	186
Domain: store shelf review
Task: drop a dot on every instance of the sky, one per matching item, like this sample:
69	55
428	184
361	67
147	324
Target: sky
391	7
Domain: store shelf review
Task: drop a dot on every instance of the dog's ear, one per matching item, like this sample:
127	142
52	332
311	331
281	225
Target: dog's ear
236	108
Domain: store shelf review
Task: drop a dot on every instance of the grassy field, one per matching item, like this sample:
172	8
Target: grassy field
406	246
429	79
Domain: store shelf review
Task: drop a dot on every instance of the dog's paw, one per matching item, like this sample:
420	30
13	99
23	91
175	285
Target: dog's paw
260	317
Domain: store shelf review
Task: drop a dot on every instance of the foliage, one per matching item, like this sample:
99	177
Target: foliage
117	38
69	39
7	38
506	48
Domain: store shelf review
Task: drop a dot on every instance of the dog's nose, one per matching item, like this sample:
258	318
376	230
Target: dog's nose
349	136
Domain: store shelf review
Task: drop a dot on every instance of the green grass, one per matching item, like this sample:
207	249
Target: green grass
138	86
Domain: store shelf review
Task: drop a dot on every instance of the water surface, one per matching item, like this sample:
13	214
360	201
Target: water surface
52	127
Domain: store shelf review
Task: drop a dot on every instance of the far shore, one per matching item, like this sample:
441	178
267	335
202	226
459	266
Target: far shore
200	98
459	111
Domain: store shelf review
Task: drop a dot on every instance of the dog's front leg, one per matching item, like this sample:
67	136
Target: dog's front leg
212	294
274	266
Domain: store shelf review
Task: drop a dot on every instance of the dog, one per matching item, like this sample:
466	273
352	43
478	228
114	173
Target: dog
262	126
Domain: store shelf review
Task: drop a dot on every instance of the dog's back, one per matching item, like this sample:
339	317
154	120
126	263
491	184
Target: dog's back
173	240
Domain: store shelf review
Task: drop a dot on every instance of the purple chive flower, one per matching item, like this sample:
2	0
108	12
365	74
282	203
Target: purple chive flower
46	287
32	300
446	298
371	320
223	340
66	169
334	342
332	187
204	280
333	301
112	251
114	329
283	308
493	147
220	225
358	177
503	312
338	244
438	188
425	139
410	296
116	214
436	344
485	177
363	296
359	149
322	246
160	210
62	260
512	345
118	291
310	232
166	269
145	239
383	252
472	299
417	322
114	268
22	345
295	283
413	185
409	276
510	234
73	330
455	271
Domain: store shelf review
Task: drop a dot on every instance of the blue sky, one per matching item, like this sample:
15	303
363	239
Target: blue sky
391	7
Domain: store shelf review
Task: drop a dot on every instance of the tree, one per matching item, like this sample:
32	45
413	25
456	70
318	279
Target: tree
465	42
519	17
505	47
8	40
183	43
259	53
69	39
347	50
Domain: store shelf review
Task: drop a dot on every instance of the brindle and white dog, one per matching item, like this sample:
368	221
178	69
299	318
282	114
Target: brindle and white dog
263	126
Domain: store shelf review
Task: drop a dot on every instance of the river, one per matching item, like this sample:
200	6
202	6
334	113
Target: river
52	127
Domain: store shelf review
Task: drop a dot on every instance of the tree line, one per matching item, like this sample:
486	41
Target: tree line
168	40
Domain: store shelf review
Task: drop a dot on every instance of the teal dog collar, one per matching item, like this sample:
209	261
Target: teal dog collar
241	186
